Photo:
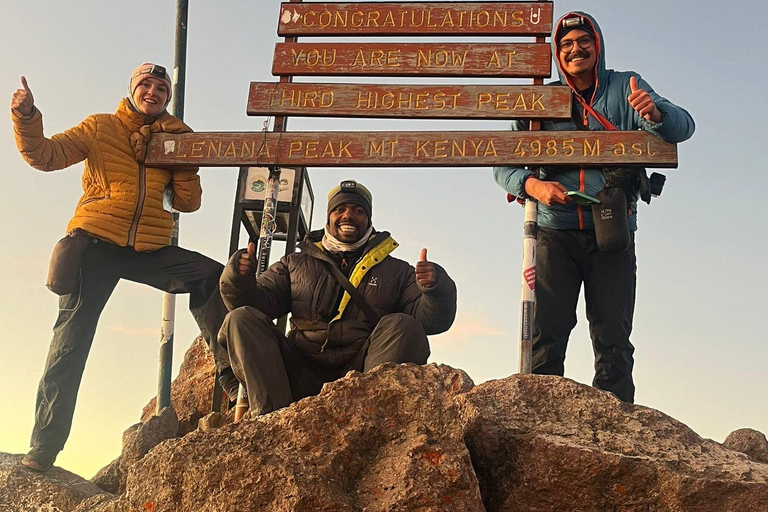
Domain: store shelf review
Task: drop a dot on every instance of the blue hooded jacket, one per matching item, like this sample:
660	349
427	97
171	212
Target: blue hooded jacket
609	100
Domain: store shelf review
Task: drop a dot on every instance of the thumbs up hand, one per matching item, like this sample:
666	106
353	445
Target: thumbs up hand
425	271
642	102
247	261
22	101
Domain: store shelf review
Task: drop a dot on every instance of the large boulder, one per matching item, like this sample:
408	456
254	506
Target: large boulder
548	443
192	390
749	441
387	440
24	490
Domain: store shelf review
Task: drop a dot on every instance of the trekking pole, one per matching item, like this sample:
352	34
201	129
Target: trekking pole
168	323
265	245
528	295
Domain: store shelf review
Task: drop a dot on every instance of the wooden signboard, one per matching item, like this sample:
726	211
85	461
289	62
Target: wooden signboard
410	101
409	59
411	149
415	19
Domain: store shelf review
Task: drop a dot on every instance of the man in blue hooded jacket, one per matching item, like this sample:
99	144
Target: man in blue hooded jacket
567	252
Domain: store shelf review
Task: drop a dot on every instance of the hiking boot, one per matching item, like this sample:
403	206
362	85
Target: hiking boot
39	459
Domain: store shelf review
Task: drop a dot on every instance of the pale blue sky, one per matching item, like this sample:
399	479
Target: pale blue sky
700	319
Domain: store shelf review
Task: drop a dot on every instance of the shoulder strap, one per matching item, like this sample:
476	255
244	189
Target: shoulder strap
600	119
355	294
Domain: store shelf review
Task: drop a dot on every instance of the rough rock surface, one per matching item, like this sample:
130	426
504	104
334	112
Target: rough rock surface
409	438
547	443
24	490
192	389
137	441
387	440
748	441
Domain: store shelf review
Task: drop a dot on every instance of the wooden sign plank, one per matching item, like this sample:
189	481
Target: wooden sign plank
514	60
409	101
415	19
411	149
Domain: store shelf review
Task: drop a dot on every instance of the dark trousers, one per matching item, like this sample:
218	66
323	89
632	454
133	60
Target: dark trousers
171	269
276	374
564	260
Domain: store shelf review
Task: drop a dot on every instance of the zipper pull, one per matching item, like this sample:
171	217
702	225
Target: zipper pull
344	263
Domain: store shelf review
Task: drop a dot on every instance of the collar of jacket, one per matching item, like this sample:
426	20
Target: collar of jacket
378	247
141	127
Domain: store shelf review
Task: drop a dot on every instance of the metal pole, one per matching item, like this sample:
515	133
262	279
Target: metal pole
528	295
265	245
169	299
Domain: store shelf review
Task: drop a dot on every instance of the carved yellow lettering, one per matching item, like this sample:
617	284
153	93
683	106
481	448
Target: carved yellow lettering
421	147
619	149
326	99
520	103
393	58
344	148
483	19
325	18
340	19
295	147
484	98
499	19
313	57
310	150
475	147
214	147
490	149
648	150
230	151
421	100
197	149
510	53
356	19
359	59
493	62
430	23
459	150
305	20
388	100
264	151
363	102
447	20
516	19
389	20
246	149
591	148
536	100
501	101
439	149
375	150
440	102
376	56
296	56
328	150
373	19
404	100
422	59
637	149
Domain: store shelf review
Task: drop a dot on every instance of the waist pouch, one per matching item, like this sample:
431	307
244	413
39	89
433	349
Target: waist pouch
64	268
610	219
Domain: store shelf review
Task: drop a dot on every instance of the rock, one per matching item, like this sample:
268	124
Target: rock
386	440
213	421
24	490
751	442
137	441
192	390
547	443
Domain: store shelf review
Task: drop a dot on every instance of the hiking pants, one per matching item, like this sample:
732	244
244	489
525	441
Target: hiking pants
171	269
564	260
276	373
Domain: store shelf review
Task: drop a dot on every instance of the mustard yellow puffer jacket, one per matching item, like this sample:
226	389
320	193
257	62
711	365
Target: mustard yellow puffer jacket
122	200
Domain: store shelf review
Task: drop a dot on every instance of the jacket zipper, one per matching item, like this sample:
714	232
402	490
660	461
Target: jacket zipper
92	199
139	205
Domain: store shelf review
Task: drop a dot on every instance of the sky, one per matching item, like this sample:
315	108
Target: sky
699	328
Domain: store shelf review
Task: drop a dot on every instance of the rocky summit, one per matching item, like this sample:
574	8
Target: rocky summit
412	438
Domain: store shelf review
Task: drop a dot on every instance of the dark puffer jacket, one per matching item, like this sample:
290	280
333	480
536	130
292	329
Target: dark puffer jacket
302	284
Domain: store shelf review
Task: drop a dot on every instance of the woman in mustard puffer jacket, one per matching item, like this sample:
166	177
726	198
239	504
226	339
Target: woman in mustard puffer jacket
120	230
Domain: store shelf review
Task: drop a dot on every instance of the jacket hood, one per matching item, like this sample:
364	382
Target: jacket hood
600	70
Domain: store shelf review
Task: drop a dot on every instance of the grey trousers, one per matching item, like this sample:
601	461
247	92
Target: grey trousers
171	269
275	372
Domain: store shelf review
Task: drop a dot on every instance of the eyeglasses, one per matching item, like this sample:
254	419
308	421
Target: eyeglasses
566	45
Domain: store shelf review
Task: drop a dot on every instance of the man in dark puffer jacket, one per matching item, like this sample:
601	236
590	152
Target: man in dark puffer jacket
330	333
